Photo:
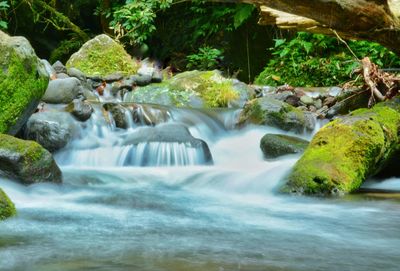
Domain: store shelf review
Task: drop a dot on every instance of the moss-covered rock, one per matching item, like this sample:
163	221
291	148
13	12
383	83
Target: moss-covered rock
102	56
346	151
195	89
7	208
268	111
27	161
275	145
23	81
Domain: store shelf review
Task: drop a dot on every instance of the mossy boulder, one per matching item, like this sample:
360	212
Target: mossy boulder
271	112
23	81
275	145
346	151
102	56
27	161
7	208
195	89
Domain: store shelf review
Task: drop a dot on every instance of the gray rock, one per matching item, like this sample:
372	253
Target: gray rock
62	91
293	100
275	145
146	71
118	113
141	80
318	103
307	100
80	110
62	75
49	69
157	76
52	130
59	67
73	72
27	162
113	77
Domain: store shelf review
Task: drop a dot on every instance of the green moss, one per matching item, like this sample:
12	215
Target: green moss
103	57
346	151
7	208
19	85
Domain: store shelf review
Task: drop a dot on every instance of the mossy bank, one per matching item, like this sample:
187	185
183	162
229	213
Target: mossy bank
7	208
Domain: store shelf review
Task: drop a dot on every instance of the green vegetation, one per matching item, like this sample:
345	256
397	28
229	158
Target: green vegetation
318	60
3	14
7	208
346	151
205	59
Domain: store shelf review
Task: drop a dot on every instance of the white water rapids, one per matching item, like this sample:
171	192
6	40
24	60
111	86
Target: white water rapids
228	216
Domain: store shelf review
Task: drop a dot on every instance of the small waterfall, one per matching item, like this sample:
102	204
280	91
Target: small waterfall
144	154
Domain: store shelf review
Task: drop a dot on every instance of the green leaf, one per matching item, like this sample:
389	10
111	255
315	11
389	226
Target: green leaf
243	12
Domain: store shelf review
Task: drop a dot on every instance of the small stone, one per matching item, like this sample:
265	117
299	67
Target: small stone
293	100
276	145
307	100
318	103
142	80
80	110
62	75
77	74
312	108
113	77
157	77
329	101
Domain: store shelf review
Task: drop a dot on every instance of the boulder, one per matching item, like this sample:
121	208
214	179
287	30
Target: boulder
271	112
194	89
275	145
347	150
80	110
169	133
23	81
27	161
52	130
62	91
7	208
102	56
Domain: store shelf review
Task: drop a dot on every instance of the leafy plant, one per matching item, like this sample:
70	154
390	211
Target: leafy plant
318	60
3	14
206	58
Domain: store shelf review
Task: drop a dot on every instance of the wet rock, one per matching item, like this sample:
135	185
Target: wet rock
23	81
110	58
80	110
118	113
62	91
52	130
7	208
268	111
59	67
276	145
157	76
293	100
73	72
49	69
113	77
141	80
27	162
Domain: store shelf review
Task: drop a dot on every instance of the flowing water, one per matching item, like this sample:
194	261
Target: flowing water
111	214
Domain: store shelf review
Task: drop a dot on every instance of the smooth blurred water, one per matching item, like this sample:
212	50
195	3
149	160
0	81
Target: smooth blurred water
228	216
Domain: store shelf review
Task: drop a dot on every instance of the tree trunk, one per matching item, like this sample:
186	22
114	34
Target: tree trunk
375	20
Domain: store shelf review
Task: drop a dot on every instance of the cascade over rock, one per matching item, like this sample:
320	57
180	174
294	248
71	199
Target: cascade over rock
23	81
102	56
26	161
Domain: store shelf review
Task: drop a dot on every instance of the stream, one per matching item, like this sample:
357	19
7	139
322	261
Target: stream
112	213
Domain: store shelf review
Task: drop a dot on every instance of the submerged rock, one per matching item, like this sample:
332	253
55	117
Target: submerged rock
346	151
7	208
102	56
62	91
275	145
27	161
52	130
23	81
268	111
